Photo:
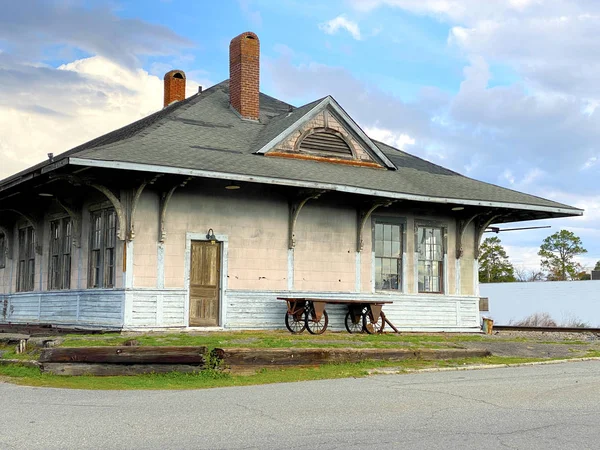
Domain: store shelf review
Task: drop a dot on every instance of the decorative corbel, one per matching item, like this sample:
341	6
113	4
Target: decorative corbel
363	217
134	203
166	198
114	200
480	228
75	215
461	225
295	208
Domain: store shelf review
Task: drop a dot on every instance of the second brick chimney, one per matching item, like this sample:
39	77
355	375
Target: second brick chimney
244	73
174	86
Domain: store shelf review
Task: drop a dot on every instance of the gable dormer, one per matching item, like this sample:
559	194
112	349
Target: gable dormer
327	134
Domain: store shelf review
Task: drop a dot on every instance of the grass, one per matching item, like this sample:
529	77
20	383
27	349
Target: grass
212	379
259	339
278	339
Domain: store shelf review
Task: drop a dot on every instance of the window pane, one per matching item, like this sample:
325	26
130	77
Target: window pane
396	250
378	278
396	233
378	231
378	248
387	248
387	232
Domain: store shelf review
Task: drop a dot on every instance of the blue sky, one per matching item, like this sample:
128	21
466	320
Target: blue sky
504	91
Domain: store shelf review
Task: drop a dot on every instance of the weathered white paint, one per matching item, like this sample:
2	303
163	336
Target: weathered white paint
128	273
262	310
290	269
160	265
458	287
476	277
563	300
357	283
224	241
91	307
155	308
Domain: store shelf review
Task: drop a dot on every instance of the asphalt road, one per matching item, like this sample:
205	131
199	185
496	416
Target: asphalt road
533	407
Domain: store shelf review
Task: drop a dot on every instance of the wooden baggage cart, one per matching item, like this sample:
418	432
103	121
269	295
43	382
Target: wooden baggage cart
310	314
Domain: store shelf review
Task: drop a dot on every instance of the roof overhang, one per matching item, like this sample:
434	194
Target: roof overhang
319	185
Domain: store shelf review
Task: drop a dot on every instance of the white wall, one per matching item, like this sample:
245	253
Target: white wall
563	300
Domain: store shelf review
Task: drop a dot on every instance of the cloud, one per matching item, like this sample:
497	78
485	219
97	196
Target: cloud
36	27
398	140
340	22
253	16
81	100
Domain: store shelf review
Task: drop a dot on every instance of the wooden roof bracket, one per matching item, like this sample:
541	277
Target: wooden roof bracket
35	223
480	227
363	217
134	202
75	215
8	239
164	203
114	200
461	225
295	208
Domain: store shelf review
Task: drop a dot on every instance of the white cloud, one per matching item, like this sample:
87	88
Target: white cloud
340	22
395	139
94	96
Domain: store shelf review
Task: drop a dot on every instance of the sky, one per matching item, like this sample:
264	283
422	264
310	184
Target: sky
504	91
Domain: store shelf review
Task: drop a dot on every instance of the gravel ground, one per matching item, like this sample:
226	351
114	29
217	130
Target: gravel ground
535	344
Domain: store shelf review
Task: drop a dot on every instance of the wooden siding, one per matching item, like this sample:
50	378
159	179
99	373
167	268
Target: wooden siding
86	307
158	308
251	309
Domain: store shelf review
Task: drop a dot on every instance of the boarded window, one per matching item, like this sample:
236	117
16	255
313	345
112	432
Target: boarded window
3	246
59	271
103	239
26	267
388	256
431	259
326	143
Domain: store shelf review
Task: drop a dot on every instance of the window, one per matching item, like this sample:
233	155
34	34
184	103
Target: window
103	238
431	259
26	268
59	271
388	256
3	246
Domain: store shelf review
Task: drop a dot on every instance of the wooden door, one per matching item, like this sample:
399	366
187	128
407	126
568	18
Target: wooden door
205	274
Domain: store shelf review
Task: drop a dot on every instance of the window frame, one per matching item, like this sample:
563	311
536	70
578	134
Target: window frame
26	259
442	262
102	254
59	253
401	260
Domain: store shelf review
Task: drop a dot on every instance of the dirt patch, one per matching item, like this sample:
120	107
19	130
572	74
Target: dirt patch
539	345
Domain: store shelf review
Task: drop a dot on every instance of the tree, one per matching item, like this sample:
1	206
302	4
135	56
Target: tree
597	266
558	252
494	266
525	275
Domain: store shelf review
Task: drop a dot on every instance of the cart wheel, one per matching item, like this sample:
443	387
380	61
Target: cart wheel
352	327
372	326
295	323
316	327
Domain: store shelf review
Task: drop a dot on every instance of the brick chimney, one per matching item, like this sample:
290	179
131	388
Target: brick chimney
244	72
174	86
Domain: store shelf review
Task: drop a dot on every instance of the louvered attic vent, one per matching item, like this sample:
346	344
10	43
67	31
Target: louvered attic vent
326	144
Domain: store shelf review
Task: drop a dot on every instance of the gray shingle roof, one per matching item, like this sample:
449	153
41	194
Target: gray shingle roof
204	133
